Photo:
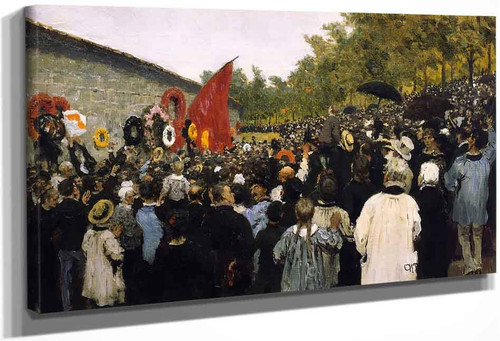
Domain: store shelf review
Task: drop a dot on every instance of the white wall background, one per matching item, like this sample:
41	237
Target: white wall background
463	309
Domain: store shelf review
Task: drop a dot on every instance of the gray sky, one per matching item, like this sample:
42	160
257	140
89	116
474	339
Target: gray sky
190	41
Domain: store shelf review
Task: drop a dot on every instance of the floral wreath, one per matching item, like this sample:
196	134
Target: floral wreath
154	111
287	153
205	142
49	126
193	132
101	137
155	118
168	136
133	122
40	104
60	105
157	154
179	99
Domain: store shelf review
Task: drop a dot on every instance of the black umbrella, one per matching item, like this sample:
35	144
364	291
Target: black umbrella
487	79
426	107
381	90
349	109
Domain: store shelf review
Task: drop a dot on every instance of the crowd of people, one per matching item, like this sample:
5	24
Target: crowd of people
369	197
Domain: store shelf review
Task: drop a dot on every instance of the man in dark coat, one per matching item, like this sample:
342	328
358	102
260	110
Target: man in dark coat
43	262
462	146
329	138
72	222
196	214
232	244
330	133
103	186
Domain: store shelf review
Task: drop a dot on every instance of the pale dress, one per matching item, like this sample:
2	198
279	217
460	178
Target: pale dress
302	271
100	284
331	262
385	233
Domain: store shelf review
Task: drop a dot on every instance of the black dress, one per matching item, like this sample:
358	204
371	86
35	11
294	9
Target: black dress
433	246
268	277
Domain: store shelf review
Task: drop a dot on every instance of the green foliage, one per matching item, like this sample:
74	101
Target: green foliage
410	52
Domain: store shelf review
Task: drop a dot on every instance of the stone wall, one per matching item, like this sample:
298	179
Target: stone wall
105	85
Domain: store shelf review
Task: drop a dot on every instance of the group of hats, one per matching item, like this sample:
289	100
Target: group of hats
103	210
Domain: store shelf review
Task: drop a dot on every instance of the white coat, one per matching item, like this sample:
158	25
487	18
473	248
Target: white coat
385	233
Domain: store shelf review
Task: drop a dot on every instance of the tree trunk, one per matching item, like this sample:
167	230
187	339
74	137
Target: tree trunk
350	96
452	71
470	61
443	71
489	59
425	79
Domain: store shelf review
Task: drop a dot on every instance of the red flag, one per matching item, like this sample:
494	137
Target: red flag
210	112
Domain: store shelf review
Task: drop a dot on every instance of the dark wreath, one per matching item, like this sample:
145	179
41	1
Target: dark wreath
133	131
51	126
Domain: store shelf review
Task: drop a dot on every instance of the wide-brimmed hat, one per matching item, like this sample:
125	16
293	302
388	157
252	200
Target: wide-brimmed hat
101	212
347	141
403	147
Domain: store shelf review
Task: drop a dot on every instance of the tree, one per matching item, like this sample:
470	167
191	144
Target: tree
469	41
205	76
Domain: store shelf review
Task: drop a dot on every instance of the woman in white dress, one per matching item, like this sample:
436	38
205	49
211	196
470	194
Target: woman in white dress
103	280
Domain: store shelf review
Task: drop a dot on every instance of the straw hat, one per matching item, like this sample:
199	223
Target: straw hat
101	212
347	141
